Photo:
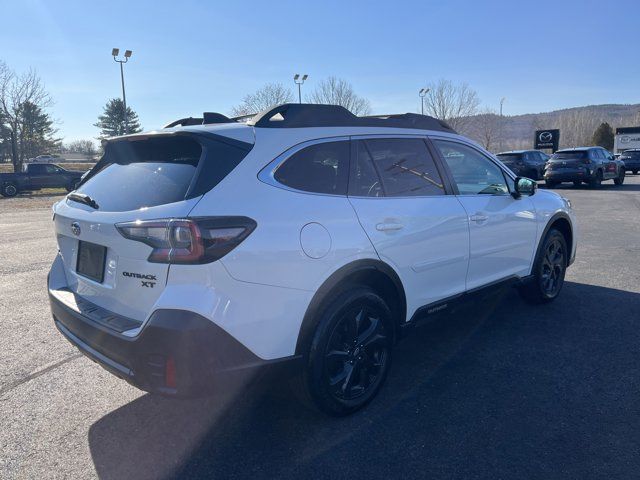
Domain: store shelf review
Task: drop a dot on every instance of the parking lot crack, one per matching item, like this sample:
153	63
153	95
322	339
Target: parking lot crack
37	373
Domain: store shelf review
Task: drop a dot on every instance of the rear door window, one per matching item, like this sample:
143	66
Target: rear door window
318	168
404	165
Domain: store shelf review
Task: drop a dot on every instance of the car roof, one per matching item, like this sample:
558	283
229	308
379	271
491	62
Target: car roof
577	149
511	152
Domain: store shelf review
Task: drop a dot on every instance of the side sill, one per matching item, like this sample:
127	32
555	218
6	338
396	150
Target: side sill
432	310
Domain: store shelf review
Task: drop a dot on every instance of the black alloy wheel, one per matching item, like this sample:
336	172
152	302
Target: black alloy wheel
350	353
356	354
549	270
553	267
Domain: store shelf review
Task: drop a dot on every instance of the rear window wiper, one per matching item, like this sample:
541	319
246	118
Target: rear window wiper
83	198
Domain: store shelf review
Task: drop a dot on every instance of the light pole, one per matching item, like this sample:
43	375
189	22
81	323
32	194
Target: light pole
423	93
127	55
501	122
299	81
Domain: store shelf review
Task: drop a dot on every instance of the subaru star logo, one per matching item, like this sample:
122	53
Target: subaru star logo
546	137
75	228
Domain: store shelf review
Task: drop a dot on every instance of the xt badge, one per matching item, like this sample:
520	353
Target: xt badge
147	280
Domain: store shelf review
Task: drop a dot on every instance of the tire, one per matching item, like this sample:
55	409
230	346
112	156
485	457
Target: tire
9	190
549	270
577	183
550	183
619	180
596	180
350	353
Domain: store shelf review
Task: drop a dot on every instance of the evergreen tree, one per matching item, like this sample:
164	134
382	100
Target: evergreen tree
603	136
112	122
36	131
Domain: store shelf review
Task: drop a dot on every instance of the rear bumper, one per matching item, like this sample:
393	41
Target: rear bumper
566	175
632	165
177	352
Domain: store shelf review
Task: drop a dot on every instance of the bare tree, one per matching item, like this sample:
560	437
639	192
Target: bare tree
16	91
85	147
270	95
485	128
336	91
452	103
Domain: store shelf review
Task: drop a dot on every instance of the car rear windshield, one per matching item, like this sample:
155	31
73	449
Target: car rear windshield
157	171
510	157
634	155
569	155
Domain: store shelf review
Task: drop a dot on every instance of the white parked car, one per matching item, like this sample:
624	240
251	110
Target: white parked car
305	239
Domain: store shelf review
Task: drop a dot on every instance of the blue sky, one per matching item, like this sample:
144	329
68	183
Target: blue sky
193	56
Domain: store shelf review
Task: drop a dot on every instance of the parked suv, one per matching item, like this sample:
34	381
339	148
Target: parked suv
631	159
303	241
591	165
526	163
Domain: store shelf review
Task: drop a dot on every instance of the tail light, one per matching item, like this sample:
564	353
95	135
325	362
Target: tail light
189	240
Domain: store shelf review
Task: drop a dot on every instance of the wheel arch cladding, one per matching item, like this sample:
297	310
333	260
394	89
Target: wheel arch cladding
560	222
371	273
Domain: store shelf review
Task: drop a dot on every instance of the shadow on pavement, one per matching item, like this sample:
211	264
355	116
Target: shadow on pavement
514	391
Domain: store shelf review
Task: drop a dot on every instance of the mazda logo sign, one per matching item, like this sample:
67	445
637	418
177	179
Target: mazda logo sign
75	228
545	137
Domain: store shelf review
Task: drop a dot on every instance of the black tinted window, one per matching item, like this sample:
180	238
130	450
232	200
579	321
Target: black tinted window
319	168
472	171
510	157
37	169
569	155
365	181
405	167
144	173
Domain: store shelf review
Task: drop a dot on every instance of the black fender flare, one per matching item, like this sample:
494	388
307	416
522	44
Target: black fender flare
331	284
552	220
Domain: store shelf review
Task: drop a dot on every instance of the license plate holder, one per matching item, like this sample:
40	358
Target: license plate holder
91	261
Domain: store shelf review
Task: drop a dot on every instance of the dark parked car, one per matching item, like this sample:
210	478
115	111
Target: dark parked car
591	165
36	176
525	163
631	159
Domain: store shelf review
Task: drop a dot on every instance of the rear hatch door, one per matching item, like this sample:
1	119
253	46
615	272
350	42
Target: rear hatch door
151	178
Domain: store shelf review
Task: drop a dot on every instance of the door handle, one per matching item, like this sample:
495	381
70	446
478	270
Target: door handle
387	227
478	218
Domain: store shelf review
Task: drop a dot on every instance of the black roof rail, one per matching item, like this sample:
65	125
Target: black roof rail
298	115
206	119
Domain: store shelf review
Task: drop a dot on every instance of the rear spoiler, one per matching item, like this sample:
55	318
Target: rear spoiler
208	118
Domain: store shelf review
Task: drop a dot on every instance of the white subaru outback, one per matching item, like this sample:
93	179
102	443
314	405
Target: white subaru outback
304	239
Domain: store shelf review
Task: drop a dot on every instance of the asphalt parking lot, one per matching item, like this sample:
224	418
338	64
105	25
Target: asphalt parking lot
503	391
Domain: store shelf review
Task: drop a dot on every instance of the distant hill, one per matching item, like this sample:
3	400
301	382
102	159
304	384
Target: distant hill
576	125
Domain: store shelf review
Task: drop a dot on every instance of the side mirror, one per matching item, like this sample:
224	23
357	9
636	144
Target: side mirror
524	187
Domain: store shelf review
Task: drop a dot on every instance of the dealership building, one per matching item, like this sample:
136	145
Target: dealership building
626	138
